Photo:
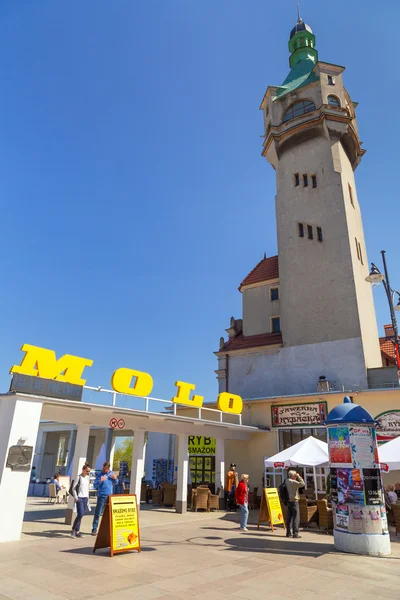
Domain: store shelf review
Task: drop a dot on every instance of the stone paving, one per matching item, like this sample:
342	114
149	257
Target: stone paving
197	555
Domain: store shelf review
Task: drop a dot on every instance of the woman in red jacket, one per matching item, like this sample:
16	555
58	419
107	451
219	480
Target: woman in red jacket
242	499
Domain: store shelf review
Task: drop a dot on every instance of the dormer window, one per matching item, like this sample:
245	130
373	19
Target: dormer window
333	101
298	108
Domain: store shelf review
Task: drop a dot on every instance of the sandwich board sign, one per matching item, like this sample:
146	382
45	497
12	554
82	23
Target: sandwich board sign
270	509
119	527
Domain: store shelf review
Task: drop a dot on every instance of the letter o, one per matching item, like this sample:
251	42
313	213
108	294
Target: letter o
122	379
230	403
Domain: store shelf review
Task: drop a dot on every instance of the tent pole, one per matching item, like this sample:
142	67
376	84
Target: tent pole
315	483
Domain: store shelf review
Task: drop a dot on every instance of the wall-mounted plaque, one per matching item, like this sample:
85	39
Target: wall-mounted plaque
19	458
38	386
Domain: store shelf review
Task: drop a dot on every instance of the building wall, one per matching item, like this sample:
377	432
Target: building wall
249	456
258	308
296	370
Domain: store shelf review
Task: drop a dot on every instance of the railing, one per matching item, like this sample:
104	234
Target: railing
157	406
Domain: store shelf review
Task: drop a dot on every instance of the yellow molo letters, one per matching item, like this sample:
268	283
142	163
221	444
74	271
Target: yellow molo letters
41	362
230	403
182	397
122	379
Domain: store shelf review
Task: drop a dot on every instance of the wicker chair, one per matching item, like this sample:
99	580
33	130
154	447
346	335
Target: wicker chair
157	497
200	500
396	514
214	500
253	498
325	515
169	494
307	513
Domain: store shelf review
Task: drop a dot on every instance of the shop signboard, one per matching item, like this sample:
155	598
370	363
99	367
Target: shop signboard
308	414
119	527
388	425
270	509
200	444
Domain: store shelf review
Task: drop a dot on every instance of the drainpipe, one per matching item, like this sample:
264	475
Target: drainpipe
227	373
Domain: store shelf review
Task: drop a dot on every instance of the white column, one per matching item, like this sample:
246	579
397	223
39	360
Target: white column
81	446
71	446
110	444
220	467
19	425
182	479
39	451
138	458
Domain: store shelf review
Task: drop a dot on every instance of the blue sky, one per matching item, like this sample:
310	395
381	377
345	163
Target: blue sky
134	197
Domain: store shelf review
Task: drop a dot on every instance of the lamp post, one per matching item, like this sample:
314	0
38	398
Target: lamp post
376	278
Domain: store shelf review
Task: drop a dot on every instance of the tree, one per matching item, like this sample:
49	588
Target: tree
123	451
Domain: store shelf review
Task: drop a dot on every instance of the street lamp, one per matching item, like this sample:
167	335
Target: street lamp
375	277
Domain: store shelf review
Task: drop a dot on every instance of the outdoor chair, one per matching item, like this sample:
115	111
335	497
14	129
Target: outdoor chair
253	498
55	496
200	499
169	495
144	492
307	513
214	500
396	515
309	493
157	497
325	515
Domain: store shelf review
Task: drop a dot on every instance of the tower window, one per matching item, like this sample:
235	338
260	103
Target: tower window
276	324
314	181
319	234
298	108
310	232
331	80
296	179
274	294
351	196
333	101
360	253
305	180
358	249
301	229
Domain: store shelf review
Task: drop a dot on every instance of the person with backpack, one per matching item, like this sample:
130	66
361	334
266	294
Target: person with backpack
293	484
80	491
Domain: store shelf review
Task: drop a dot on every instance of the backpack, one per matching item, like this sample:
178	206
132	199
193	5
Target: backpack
283	493
75	486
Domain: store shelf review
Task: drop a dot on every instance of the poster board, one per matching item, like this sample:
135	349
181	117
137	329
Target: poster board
119	527
65	481
270	509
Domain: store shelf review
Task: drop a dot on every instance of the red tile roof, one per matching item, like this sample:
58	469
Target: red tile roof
241	342
387	346
265	270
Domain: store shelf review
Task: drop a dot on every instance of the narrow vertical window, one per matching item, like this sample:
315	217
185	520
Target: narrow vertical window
296	179
301	229
358	249
314	181
310	232
319	234
305	180
351	195
331	80
274	294
360	253
276	324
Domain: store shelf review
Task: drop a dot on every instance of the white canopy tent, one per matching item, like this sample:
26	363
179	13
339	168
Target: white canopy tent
389	454
310	452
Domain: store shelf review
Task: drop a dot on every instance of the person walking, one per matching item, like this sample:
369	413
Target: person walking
242	499
104	483
80	491
293	484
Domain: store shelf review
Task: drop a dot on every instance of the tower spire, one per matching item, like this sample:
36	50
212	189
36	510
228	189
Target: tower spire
299	19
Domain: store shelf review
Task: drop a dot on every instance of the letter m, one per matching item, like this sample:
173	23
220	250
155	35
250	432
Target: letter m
42	362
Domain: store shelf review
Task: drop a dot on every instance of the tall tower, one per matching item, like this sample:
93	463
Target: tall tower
327	315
